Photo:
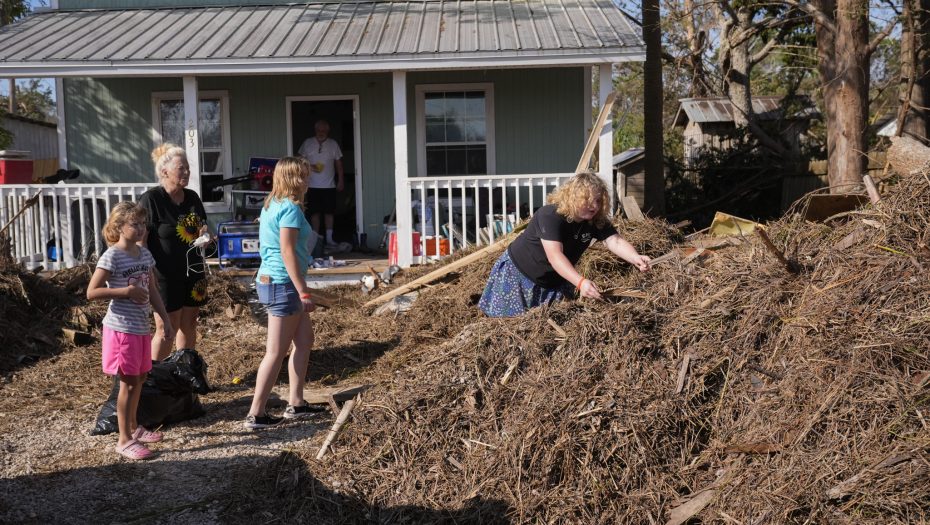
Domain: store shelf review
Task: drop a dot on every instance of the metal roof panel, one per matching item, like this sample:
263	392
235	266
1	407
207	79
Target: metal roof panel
159	37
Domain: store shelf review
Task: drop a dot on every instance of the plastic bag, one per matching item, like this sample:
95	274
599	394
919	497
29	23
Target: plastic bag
170	393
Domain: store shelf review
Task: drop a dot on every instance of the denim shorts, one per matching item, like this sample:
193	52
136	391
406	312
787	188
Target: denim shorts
281	300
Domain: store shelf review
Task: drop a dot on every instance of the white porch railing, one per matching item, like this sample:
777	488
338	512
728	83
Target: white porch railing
64	228
451	213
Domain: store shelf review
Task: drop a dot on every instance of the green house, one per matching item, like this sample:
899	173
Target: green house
457	112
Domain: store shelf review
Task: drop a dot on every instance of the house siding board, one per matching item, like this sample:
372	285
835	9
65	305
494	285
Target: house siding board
41	140
537	129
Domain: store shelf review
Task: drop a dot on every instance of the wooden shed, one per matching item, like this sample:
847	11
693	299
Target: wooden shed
629	174
706	121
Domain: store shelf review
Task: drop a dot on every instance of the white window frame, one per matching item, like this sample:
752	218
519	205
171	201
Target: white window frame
157	96
422	89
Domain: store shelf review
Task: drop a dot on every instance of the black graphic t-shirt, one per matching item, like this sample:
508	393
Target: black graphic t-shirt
172	228
529	256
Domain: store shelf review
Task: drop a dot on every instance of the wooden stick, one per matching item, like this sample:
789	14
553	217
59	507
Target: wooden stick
870	187
445	270
343	416
596	135
30	202
778	255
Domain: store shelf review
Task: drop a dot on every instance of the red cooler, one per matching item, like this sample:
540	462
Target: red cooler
15	168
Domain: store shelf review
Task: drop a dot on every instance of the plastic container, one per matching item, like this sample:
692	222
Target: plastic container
392	247
431	246
15	171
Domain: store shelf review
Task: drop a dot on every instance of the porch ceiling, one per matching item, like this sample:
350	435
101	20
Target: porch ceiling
318	37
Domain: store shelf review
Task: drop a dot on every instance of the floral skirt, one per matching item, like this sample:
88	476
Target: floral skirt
510	293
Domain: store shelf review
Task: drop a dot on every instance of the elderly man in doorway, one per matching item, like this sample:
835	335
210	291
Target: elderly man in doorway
325	159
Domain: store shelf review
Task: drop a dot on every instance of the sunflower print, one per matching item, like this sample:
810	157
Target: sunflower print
188	227
199	292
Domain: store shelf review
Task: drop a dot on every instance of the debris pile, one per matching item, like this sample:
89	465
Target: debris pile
719	385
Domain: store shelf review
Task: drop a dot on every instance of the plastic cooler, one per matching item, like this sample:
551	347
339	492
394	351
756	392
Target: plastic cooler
15	171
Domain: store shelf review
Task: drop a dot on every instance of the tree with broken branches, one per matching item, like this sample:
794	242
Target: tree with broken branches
741	32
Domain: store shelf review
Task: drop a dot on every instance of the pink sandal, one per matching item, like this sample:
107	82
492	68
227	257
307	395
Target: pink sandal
147	436
135	450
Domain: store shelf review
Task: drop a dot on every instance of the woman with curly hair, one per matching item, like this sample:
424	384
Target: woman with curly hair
539	267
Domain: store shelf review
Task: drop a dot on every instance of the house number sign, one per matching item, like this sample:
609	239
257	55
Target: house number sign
191	132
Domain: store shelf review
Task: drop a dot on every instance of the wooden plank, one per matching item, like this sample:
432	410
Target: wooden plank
822	207
331	300
596	134
446	270
631	209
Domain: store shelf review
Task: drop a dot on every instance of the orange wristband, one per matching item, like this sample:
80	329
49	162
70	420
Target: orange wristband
305	296
581	281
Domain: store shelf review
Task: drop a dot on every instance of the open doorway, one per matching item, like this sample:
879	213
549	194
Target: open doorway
341	114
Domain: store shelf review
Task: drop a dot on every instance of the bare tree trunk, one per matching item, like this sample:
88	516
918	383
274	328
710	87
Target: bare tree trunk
914	70
654	164
738	75
843	61
699	85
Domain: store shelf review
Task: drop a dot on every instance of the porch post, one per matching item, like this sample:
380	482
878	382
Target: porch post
586	108
62	129
192	132
605	143
401	173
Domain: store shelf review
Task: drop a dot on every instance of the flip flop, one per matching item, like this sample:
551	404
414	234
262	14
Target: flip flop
135	450
147	436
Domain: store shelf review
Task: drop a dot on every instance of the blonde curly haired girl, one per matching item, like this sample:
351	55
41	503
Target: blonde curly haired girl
539	266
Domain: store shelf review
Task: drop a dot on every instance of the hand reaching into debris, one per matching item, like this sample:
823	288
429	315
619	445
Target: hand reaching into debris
589	289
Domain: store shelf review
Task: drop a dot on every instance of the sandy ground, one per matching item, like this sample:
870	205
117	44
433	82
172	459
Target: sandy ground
198	461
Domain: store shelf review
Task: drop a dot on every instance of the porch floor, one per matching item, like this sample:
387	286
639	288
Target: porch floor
355	268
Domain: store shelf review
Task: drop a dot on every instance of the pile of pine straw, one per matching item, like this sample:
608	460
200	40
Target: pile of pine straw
733	391
729	389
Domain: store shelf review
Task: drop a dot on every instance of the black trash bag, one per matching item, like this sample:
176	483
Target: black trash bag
170	393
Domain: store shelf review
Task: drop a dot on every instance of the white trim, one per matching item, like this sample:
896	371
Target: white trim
586	108
488	88
192	132
334	64
53	4
357	154
605	141
157	96
62	123
401	172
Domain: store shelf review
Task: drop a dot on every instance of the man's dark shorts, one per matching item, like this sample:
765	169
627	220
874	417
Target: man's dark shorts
177	293
321	200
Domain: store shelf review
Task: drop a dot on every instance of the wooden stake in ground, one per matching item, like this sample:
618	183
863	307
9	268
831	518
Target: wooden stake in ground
781	258
870	187
343	416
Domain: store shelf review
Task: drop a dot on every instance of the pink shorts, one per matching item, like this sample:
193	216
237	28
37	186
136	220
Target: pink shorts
131	353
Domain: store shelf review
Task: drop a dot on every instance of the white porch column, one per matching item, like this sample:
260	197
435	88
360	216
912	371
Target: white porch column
62	129
586	108
401	172
192	132
605	143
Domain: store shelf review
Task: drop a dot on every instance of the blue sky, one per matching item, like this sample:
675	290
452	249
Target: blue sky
49	82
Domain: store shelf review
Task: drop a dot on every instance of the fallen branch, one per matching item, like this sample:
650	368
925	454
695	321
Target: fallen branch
781	258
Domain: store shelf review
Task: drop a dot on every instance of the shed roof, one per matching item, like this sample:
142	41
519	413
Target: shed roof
622	159
318	36
720	109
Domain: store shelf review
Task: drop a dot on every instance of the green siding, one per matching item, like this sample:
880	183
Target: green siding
537	116
538	123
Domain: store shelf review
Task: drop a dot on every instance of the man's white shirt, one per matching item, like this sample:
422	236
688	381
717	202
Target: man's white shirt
324	156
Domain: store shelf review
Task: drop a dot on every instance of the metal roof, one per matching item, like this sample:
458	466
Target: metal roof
318	36
631	154
720	109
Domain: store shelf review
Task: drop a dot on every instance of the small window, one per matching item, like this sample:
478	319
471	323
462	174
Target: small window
169	122
455	130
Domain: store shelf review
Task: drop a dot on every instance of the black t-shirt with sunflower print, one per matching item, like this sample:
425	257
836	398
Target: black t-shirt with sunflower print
172	229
